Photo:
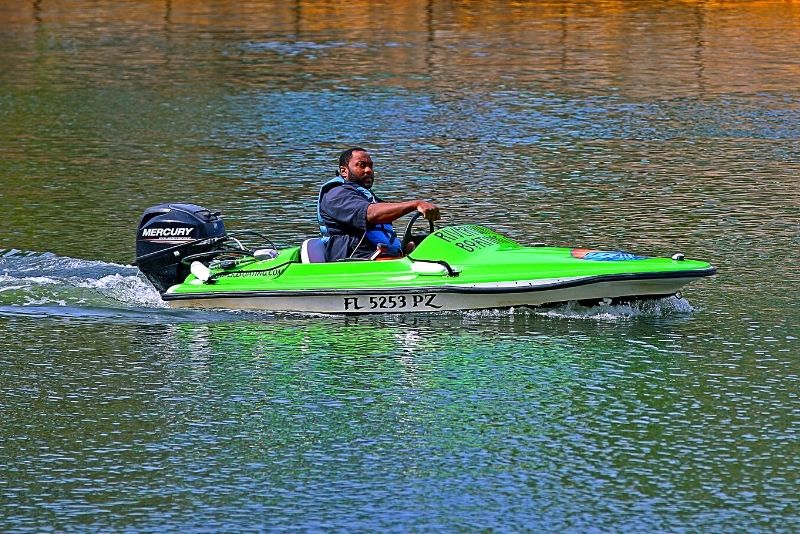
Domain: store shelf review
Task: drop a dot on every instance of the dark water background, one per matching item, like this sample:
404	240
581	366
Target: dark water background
655	127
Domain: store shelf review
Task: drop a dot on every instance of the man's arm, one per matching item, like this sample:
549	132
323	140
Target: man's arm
387	212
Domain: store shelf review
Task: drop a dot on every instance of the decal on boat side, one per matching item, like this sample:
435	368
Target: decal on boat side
391	302
473	237
275	271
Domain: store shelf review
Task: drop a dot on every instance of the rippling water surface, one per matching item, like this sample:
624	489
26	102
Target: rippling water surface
655	127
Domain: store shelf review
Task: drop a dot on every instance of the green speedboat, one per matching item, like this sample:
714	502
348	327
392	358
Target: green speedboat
186	253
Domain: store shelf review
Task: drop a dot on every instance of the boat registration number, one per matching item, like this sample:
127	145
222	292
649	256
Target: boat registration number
420	301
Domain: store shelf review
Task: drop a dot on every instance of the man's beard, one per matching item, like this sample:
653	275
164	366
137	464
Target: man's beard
365	181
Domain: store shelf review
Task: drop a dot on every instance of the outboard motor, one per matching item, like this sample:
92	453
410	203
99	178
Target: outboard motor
168	233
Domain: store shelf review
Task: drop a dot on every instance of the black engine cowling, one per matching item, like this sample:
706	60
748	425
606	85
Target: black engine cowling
170	232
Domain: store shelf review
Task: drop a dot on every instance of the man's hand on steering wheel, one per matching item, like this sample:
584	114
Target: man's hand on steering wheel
428	210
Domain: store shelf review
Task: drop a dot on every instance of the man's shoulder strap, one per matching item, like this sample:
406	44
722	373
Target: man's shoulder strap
330	184
327	186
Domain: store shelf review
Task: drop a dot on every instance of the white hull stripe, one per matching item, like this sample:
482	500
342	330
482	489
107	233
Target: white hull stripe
402	300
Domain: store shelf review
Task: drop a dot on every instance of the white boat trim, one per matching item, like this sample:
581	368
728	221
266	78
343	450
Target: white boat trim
446	297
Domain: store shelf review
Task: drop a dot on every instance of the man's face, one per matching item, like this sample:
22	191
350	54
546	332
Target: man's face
359	170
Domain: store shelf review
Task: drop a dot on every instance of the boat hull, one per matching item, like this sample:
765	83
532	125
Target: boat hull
443	298
456	268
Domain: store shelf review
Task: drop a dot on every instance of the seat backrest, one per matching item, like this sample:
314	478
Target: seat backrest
312	251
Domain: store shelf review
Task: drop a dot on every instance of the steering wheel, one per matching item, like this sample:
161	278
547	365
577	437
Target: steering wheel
408	237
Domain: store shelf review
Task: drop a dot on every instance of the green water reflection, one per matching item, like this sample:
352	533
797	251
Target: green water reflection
202	422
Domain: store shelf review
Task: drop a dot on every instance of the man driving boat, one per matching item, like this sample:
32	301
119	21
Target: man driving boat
354	222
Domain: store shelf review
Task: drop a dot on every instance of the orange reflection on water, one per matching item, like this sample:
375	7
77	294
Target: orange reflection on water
689	47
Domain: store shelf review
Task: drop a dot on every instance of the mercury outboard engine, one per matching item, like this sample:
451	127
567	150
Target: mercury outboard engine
168	233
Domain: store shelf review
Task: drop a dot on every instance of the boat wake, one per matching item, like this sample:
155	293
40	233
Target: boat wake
30	278
663	307
35	284
652	308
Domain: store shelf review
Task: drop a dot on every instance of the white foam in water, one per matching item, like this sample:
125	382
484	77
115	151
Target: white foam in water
126	289
9	288
616	312
573	310
42	301
16	253
28	279
36	280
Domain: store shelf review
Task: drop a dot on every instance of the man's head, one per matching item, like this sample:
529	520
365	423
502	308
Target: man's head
355	166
